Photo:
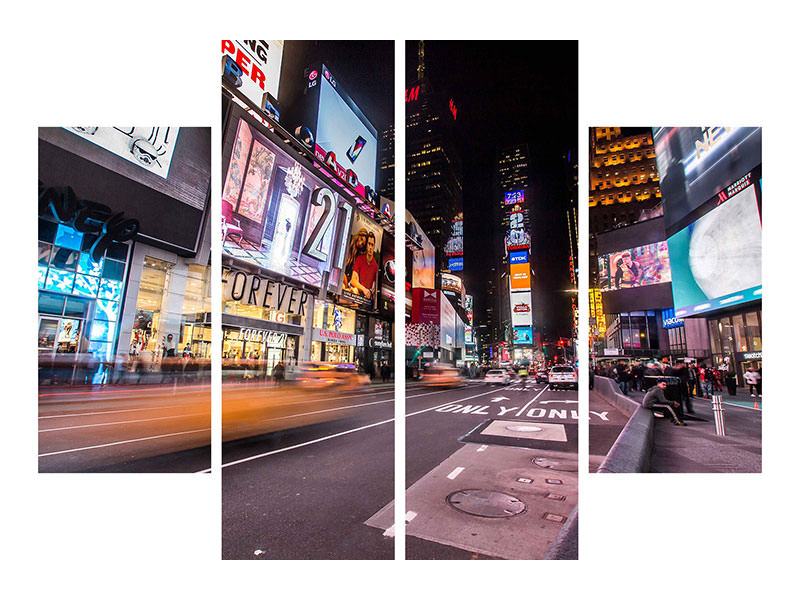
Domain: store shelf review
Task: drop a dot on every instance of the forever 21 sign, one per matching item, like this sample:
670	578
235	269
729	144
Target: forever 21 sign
249	288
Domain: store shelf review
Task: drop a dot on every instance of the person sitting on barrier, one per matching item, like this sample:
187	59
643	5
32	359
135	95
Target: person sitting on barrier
654	398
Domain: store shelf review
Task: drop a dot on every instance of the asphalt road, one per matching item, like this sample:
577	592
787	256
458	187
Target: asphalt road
128	429
603	432
304	487
485	444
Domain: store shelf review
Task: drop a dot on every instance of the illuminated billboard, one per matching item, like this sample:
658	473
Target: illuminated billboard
455	245
521	309
716	261
363	261
518	257
634	267
523	335
259	66
452	284
520	276
342	129
280	216
695	163
514	197
423	267
455	264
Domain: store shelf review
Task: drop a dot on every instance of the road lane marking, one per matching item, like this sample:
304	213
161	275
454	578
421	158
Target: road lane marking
153	437
124	422
108	412
521	410
308	443
455	472
482	448
409	517
419	412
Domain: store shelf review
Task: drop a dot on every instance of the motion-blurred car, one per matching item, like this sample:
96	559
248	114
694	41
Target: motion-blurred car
319	375
542	377
442	377
562	377
497	376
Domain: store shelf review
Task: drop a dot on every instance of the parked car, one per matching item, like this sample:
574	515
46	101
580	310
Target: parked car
563	376
442	377
497	376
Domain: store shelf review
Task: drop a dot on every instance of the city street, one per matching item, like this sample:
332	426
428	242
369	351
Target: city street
140	429
603	432
470	445
304	487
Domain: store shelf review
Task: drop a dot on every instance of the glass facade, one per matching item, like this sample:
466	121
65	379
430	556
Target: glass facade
736	339
151	301
79	298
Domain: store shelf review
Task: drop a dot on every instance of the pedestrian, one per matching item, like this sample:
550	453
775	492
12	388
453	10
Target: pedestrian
385	372
752	377
691	369
730	382
278	373
758	382
637	375
623	376
655	399
704	375
685	397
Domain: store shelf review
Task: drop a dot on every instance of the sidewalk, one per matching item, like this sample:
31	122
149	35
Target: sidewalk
697	448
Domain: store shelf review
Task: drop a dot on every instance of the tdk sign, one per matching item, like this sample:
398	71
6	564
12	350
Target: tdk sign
517	257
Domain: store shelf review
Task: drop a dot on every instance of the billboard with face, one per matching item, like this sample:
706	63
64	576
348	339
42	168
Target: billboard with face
716	261
363	262
423	265
634	267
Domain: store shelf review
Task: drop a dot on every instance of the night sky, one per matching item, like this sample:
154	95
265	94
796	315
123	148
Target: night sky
508	93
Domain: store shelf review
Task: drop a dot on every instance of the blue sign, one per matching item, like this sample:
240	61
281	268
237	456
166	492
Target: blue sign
518	257
455	264
669	320
523	335
514	197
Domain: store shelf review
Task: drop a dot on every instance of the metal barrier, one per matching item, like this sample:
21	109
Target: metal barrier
719	415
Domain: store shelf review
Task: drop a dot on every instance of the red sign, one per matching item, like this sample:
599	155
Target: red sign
412	94
425	306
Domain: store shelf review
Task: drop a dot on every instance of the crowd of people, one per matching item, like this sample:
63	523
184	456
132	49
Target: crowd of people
671	386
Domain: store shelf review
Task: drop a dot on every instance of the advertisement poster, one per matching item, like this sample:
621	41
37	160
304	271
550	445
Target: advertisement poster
523	335
423	265
636	267
425	305
345	133
277	205
260	62
521	313
716	261
388	275
520	276
363	261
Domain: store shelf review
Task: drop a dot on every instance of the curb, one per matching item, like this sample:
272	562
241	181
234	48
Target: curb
634	445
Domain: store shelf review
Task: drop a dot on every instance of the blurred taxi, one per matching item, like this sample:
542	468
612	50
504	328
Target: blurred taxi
442	377
319	375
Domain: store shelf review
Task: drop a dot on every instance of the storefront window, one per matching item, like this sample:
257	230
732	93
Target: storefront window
195	333
740	333
714	328
339	318
232	307
753	331
153	291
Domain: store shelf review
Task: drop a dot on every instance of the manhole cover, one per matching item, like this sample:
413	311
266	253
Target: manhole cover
554	464
485	503
524	428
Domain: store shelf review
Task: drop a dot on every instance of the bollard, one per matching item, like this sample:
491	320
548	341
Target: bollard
719	417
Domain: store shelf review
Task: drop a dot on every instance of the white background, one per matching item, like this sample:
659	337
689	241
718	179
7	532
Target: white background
158	536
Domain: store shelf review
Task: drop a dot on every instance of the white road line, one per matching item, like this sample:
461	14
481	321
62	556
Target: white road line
419	412
108	412
482	448
455	472
124	422
308	443
123	442
522	410
409	517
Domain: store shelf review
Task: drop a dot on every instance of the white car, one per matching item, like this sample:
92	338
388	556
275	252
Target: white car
562	376
497	376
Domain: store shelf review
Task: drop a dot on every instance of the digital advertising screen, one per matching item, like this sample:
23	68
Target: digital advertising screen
345	131
514	197
455	264
455	245
388	274
518	257
695	163
423	267
452	283
363	261
521	311
634	267
520	275
279	215
523	335
716	261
